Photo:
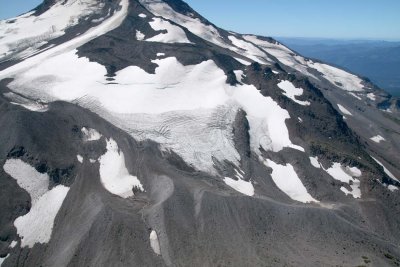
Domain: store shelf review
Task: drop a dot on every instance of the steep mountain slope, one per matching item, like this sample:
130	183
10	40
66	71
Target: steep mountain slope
139	133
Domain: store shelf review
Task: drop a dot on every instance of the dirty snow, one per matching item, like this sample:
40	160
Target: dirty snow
344	110
114	174
286	179
346	175
377	139
240	185
90	134
391	175
154	243
291	92
174	33
36	226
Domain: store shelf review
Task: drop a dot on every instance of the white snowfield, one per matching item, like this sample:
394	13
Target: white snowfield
107	25
346	175
206	32
154	243
344	110
340	78
287	180
174	93
291	92
391	175
240	185
30	32
36	226
377	139
174	33
249	50
114	174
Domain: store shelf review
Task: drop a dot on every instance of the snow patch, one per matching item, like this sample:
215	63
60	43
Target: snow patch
3	259
338	77
371	96
291	92
286	179
174	33
345	175
154	243
160	54
80	158
90	134
240	185
392	188
242	61
314	161
239	75
143	15
344	110
386	170
13	244
377	139
171	106
356	96
249	50
140	36
114	174
36	226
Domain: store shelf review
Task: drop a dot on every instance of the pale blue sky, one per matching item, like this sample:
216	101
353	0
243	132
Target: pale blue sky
349	19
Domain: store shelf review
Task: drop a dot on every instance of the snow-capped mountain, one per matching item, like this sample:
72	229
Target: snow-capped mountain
136	132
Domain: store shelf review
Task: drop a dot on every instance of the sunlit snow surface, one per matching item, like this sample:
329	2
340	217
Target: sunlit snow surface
391	175
240	185
188	109
346	175
29	31
36	226
154	243
335	76
377	139
344	110
174	34
287	180
114	174
291	92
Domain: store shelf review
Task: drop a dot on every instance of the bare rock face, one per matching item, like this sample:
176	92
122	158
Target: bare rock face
139	133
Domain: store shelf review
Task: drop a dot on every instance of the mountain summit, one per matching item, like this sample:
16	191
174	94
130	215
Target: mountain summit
136	132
